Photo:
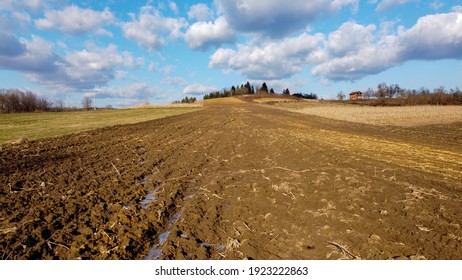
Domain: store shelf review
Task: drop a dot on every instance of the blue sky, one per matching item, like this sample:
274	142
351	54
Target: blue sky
129	52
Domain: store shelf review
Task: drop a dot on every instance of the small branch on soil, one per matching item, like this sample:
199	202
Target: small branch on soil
291	170
342	250
204	189
217	196
115	168
8	230
57	244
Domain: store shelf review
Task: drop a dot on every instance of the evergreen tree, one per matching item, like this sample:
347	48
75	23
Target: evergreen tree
264	88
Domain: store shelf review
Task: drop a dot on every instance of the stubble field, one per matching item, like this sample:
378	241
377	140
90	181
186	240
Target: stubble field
236	180
405	116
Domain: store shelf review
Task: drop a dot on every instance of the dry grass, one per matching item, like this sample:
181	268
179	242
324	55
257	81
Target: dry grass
397	116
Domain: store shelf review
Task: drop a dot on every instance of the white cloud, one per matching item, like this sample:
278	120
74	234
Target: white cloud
203	35
151	30
74	20
436	5
137	91
33	55
277	18
33	5
369	59
269	60
200	12
78	70
351	52
434	37
177	81
21	18
172	5
97	64
197	89
349	38
387	4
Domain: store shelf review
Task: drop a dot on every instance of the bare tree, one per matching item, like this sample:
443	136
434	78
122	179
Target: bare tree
59	105
341	96
369	93
382	90
86	103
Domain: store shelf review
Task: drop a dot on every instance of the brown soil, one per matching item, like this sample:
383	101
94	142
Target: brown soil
235	181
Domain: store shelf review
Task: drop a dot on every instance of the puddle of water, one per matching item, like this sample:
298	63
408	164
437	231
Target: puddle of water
145	181
163	237
175	218
156	252
149	198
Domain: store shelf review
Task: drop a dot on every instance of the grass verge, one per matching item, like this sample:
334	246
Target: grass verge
43	125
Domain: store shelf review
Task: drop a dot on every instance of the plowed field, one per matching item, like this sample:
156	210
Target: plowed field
235	181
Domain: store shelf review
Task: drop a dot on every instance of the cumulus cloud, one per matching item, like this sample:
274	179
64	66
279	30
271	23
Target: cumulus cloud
200	12
151	30
197	89
349	38
277	18
74	20
97	66
351	52
363	54
78	70
269	60
33	55
203	35
432	37
369	59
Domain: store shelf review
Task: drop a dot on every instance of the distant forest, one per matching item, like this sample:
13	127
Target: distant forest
250	89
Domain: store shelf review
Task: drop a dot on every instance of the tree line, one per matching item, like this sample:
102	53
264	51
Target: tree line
394	94
18	101
186	100
247	88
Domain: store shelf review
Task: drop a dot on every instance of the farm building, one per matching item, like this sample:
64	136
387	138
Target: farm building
356	95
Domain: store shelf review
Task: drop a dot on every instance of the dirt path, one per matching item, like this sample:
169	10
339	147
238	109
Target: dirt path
235	181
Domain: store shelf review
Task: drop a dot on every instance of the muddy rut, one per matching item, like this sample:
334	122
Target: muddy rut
235	181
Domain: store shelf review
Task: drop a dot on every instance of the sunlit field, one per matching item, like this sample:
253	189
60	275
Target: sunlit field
30	126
